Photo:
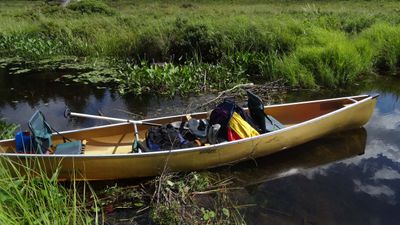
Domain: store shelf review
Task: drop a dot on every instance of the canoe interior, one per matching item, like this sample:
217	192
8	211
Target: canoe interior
117	139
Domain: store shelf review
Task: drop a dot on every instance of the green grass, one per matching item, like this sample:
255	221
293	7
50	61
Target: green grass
31	197
7	130
306	43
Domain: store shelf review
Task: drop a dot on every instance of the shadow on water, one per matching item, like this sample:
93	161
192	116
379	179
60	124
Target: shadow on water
329	149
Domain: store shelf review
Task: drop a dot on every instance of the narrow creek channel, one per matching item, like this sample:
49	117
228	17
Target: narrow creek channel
351	177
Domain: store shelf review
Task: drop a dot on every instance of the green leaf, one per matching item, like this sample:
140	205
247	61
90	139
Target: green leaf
226	212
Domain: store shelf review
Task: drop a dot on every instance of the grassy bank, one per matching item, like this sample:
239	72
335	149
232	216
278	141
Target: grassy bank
308	44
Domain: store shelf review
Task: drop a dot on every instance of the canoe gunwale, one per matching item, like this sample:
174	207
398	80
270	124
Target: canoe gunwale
200	148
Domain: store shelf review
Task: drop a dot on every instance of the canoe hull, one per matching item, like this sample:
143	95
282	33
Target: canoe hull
123	166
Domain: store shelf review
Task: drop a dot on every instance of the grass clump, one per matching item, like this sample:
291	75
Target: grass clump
29	196
32	197
335	65
91	6
385	47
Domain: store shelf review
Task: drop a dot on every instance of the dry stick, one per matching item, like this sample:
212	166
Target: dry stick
215	191
130	113
224	92
161	178
102	114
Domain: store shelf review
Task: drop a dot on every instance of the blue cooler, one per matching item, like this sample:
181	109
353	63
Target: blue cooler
23	142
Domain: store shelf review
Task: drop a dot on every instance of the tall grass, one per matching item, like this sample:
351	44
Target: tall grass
31	197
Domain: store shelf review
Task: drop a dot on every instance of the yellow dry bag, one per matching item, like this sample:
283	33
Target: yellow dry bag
241	126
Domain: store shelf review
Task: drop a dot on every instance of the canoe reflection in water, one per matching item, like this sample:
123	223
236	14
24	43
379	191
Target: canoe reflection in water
323	151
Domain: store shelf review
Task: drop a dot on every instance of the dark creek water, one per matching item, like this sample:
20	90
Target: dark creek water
351	177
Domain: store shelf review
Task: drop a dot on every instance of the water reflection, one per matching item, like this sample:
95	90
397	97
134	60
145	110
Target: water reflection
358	190
333	148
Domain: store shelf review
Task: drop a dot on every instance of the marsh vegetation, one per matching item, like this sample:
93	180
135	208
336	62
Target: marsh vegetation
181	47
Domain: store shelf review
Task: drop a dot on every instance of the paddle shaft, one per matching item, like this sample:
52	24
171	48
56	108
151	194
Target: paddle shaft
134	122
112	119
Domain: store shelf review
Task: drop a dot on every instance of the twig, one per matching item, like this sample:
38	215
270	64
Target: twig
141	210
130	113
223	93
215	190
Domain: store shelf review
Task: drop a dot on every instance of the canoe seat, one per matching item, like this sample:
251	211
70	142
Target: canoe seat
69	148
266	123
42	133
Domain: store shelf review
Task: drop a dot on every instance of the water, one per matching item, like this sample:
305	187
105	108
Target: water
22	95
348	178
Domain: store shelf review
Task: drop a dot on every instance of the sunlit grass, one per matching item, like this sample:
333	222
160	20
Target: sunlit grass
29	196
307	44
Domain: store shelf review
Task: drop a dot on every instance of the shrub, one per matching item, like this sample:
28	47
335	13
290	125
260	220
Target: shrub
194	41
91	6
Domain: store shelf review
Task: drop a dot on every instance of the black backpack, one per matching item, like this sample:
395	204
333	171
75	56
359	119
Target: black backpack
166	137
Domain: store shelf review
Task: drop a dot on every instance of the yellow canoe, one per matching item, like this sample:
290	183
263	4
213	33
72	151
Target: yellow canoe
107	154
